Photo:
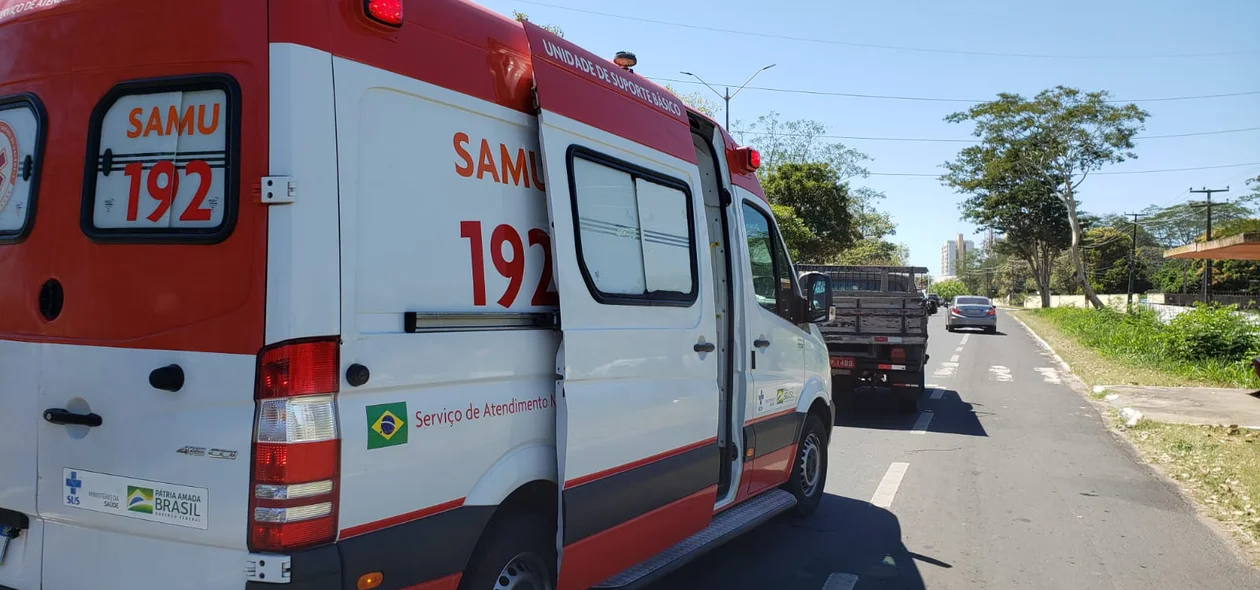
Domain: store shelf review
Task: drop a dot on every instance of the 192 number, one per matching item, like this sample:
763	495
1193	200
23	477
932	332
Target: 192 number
163	185
512	269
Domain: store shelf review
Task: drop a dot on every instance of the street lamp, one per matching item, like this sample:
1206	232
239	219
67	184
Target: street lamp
726	98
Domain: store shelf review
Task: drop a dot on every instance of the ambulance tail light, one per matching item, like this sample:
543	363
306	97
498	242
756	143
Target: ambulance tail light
389	12
294	489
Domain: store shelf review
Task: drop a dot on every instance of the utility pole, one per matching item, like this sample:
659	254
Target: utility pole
727	96
1207	267
1133	254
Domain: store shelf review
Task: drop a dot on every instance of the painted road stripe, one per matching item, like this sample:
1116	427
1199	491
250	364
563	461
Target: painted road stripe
840	582
964	339
920	425
887	489
1001	373
953	359
937	393
959	349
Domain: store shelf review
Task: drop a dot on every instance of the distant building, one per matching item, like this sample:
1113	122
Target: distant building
951	252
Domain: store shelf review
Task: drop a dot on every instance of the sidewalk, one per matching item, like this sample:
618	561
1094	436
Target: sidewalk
1189	405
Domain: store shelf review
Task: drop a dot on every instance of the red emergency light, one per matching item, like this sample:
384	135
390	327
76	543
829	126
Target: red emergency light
747	160
388	12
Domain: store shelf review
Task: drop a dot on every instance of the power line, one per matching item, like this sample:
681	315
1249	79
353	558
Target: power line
880	46
954	140
958	100
1155	171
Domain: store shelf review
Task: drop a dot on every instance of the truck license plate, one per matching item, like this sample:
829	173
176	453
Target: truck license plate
843	362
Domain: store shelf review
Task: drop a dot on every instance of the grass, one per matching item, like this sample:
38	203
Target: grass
1218	465
1117	348
1096	368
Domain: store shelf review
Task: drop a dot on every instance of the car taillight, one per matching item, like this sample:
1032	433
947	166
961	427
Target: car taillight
389	12
992	311
898	355
294	492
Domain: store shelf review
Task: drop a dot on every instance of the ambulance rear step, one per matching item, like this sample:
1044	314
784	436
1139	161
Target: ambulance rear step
724	527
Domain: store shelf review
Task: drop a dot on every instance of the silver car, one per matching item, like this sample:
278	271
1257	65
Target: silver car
972	312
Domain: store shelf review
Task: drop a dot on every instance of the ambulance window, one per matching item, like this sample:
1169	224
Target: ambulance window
162	162
770	269
635	236
21	147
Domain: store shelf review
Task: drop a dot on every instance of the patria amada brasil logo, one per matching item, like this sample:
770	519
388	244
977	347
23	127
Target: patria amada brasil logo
387	425
140	499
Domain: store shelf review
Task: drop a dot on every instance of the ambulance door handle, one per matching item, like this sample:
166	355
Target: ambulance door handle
761	343
705	347
64	416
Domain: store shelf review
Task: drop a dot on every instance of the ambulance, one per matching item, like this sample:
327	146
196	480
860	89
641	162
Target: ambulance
355	294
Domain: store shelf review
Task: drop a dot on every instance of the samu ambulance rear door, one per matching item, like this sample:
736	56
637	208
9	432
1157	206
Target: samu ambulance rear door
637	385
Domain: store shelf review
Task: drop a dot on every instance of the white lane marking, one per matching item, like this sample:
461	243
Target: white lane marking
1001	373
959	349
944	372
920	425
887	489
932	385
964	339
953	359
1050	375
840	581
937	393
949	364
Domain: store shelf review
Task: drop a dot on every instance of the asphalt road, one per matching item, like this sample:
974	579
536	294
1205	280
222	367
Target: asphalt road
1007	479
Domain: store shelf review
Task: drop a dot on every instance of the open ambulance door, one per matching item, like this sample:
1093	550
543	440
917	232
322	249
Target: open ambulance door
637	371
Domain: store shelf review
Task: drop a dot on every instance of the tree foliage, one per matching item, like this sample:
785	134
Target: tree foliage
1056	138
553	29
696	100
797	236
820	200
803	141
950	289
868	252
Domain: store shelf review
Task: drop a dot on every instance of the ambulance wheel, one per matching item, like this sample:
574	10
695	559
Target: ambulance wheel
809	470
517	554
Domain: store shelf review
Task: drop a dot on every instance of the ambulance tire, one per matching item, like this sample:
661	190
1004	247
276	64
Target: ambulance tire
809	468
521	540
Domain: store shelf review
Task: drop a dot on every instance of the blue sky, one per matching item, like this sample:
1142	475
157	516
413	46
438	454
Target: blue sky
1142	33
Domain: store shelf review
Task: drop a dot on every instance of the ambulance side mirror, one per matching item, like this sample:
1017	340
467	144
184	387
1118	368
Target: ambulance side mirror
818	304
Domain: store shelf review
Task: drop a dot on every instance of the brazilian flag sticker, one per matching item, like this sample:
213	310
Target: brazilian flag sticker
387	425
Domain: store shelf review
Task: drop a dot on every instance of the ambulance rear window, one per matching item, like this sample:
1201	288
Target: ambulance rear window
21	148
161	162
635	238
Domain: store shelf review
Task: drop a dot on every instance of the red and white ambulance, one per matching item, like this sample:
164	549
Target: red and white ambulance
347	294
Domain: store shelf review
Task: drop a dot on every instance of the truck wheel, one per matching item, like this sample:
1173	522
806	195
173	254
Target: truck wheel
516	553
809	469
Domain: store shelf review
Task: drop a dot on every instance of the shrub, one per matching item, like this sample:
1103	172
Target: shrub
1210	331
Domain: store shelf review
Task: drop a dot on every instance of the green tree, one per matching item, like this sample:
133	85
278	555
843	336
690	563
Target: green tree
815	193
522	17
868	252
1107	251
1059	137
796	235
950	289
1180	224
1032	220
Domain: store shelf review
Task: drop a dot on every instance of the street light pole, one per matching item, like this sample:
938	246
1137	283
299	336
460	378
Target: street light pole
727	96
